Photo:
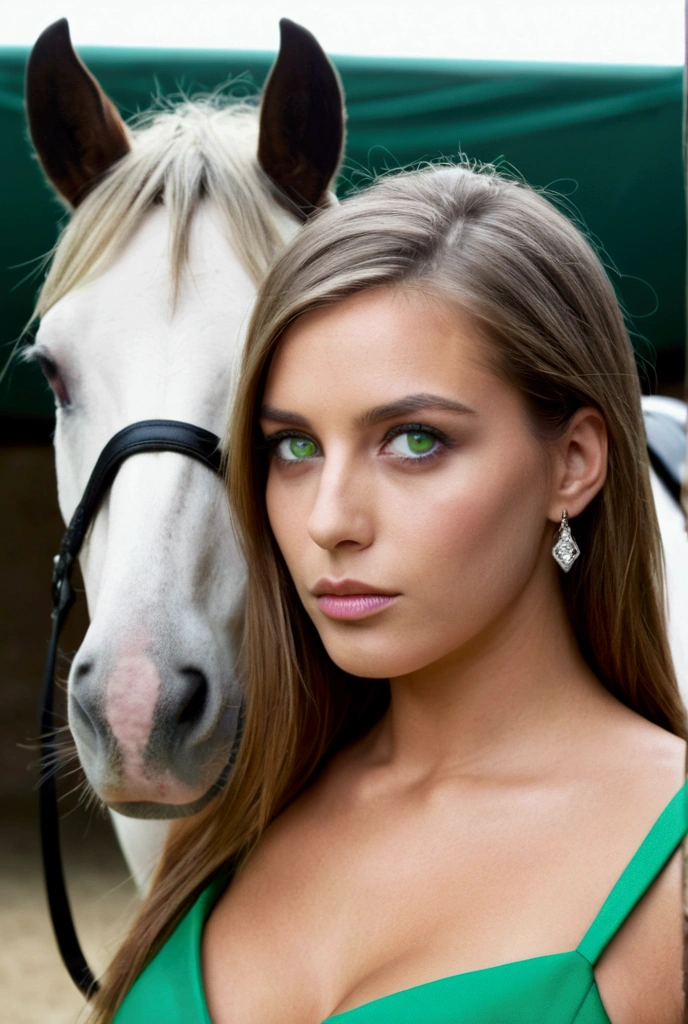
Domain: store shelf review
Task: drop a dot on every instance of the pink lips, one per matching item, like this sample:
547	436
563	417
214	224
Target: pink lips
350	599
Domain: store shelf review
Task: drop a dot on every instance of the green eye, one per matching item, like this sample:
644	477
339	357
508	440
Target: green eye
300	448
413	443
294	449
420	443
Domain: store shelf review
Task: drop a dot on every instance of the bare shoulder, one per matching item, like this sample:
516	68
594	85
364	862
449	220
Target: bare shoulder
655	741
651	760
640	974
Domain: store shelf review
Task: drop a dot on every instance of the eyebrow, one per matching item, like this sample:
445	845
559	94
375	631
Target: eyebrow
269	412
410	404
402	407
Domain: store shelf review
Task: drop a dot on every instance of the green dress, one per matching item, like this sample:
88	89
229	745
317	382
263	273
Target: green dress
555	989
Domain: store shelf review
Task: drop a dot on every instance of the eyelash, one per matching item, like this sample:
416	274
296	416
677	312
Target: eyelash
273	440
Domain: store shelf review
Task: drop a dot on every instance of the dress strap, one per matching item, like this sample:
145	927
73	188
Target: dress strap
667	833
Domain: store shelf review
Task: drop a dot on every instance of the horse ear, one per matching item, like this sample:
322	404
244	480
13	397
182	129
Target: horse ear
301	120
76	130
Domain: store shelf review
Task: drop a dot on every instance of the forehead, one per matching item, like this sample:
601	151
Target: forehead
133	290
376	345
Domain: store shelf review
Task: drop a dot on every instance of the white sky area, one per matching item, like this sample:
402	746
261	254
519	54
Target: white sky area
632	32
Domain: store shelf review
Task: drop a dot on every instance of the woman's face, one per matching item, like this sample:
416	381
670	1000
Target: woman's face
406	489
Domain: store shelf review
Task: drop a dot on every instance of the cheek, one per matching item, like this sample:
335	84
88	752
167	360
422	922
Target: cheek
287	512
482	521
478	543
484	546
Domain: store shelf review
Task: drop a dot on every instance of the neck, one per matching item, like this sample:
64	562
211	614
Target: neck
509	701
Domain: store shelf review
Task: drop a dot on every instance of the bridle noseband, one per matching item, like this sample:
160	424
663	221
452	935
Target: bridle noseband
145	436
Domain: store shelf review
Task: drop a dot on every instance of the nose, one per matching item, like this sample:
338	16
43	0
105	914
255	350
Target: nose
149	730
342	513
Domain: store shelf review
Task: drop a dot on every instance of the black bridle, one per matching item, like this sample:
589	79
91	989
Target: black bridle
145	436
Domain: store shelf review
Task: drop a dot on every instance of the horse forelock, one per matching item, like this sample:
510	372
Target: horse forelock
181	155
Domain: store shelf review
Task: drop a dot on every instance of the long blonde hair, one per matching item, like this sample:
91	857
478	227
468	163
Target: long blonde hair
533	285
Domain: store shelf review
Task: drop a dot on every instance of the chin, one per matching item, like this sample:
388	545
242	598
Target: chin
378	659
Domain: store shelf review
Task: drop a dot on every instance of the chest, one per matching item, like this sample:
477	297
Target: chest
324	920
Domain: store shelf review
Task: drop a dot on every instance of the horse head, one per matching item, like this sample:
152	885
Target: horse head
174	221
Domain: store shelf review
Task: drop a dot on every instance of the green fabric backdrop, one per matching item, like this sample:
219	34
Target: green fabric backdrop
607	137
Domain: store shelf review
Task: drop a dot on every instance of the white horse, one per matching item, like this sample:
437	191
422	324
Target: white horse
142	313
175	223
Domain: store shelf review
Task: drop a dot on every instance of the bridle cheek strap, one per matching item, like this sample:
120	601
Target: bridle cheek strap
145	436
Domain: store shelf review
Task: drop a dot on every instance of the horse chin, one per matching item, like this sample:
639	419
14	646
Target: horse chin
155	811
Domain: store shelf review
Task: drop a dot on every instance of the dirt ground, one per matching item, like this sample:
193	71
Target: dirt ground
34	986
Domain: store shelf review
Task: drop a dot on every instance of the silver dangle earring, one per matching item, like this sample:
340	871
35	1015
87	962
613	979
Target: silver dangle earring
565	551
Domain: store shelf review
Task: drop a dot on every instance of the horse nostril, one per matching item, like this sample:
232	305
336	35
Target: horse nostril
83	669
192	706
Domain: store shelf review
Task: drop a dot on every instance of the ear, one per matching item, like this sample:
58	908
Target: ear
580	465
301	121
76	130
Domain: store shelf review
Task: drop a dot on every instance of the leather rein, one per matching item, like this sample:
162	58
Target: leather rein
144	436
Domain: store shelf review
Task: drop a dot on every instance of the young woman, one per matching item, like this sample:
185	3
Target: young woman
459	797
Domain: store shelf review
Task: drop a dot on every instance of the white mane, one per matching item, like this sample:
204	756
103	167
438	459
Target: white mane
192	150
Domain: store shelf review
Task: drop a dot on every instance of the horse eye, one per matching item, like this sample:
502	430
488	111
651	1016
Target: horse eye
52	375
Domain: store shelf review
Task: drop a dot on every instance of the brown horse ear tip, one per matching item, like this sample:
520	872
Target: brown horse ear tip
57	30
292	32
55	36
287	25
61	26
